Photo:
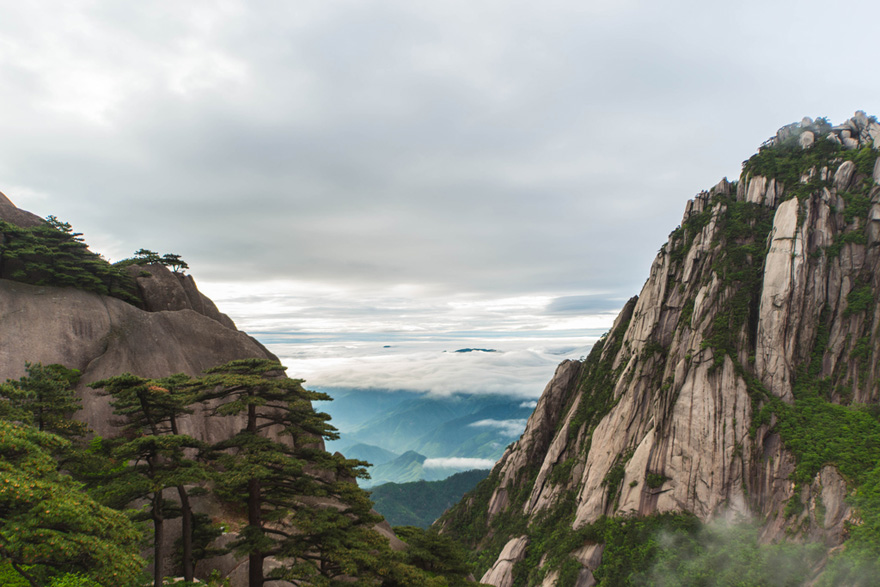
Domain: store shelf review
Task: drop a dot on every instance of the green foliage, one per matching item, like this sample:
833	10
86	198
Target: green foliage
788	162
468	521
9	577
614	478
683	236
73	580
156	453
147	257
48	522
739	264
632	544
662	549
311	515
268	479
725	555
419	503
859	299
859	563
687	311
598	378
819	432
436	554
52	254
45	397
655	480
562	471
864	158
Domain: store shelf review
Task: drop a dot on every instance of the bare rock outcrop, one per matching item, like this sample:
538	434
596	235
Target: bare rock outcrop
162	289
501	573
12	214
103	336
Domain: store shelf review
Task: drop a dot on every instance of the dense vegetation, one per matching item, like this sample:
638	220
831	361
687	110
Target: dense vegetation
65	503
419	503
52	254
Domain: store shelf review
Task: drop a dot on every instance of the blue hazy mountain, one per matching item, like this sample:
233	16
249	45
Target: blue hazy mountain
434	427
374	455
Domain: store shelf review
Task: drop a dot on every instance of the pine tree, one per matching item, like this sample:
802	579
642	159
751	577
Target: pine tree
49	524
45	397
157	454
303	506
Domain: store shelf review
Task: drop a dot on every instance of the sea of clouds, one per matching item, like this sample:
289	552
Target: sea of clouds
518	367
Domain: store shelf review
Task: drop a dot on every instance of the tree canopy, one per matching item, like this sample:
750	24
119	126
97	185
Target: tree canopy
49	525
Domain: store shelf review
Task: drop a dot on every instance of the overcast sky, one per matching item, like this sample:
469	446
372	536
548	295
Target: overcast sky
404	166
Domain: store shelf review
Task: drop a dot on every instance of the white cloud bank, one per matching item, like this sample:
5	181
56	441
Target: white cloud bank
512	428
410	367
463	463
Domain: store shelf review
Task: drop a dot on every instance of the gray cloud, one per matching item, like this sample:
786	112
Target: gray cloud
490	148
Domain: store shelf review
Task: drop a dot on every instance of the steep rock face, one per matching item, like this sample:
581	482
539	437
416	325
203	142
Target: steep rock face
103	336
10	213
766	291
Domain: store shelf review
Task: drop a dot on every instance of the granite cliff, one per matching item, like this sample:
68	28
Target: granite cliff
759	318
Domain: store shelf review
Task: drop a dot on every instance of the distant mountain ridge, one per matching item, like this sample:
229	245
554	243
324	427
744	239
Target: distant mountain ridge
419	503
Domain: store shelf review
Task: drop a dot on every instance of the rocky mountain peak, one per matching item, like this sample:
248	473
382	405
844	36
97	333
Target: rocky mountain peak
859	131
712	392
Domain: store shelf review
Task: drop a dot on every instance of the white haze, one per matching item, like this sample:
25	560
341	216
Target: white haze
512	428
465	464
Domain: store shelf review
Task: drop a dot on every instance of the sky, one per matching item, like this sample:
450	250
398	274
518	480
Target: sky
346	176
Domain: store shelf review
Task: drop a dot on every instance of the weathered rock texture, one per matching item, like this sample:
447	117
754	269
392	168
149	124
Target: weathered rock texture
103	336
750	291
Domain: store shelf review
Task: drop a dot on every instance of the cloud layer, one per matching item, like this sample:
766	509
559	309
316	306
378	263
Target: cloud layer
423	367
463	463
463	147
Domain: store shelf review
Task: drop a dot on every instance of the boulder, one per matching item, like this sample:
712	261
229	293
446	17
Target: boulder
162	289
843	176
806	139
501	573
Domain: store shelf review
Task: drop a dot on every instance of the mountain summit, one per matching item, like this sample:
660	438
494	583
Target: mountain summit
742	383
